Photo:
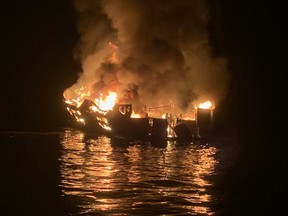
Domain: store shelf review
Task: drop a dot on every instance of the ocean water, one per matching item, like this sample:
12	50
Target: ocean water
74	173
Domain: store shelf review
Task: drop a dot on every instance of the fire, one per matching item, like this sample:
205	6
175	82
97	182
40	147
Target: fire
114	58
206	105
135	115
76	96
98	106
86	102
108	103
93	103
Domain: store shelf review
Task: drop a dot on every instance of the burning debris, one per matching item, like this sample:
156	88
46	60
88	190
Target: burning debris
154	76
105	115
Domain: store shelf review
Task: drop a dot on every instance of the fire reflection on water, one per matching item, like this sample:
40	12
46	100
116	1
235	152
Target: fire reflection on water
102	177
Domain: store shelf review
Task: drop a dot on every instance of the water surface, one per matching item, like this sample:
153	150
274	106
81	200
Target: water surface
73	173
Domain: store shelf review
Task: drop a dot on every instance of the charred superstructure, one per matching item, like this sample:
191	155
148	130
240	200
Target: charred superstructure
119	122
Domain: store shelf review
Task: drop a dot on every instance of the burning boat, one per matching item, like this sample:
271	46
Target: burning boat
106	116
109	100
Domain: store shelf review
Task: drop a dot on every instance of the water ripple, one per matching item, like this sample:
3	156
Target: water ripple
127	179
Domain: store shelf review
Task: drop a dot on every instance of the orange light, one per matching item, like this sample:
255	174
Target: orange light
206	105
108	103
135	115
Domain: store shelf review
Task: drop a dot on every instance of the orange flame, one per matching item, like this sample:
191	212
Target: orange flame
206	105
114	58
108	103
76	96
135	115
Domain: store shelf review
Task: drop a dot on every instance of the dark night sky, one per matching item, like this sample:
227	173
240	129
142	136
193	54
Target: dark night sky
37	64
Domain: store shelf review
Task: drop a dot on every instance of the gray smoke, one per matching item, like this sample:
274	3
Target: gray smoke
163	51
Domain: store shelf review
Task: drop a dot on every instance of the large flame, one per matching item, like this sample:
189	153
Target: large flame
100	105
206	105
76	95
102	100
108	102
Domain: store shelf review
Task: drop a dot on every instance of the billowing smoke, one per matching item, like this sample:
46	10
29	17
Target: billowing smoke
162	49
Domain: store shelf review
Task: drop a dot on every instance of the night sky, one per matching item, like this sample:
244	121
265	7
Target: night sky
37	40
37	65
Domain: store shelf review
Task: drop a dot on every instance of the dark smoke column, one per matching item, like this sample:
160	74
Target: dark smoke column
164	51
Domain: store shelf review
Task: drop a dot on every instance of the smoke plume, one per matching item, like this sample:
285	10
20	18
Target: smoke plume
160	49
